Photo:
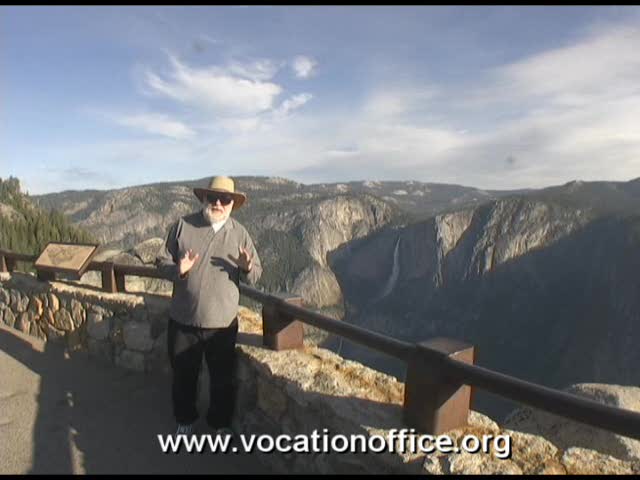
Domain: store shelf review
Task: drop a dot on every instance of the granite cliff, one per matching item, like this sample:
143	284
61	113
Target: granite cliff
544	285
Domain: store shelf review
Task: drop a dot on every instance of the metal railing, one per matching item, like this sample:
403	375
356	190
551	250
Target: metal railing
438	371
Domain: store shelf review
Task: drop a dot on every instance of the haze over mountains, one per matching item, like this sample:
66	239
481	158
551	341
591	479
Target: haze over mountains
544	282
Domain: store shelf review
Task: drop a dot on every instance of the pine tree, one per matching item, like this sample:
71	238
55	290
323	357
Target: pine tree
30	233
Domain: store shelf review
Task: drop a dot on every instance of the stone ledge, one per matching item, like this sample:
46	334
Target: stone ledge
292	392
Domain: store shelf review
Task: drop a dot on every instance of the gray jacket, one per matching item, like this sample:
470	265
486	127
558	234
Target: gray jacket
208	295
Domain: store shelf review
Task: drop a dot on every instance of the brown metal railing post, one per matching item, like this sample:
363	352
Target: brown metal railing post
7	263
434	402
120	283
112	281
279	330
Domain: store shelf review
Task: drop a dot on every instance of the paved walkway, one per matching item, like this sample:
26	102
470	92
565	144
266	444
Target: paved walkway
61	414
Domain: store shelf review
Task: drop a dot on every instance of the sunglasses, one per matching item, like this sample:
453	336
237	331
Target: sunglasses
223	197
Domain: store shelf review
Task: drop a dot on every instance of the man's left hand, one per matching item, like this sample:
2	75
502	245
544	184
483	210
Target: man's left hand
244	260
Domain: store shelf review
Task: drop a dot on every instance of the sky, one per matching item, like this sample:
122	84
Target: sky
495	97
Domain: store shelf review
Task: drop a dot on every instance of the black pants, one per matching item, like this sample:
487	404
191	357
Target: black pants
187	345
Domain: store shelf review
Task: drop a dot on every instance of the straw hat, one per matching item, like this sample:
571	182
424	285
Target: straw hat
222	185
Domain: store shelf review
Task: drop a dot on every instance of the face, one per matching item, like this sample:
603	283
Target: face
217	206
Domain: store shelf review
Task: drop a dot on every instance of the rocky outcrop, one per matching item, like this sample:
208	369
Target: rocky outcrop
294	241
338	220
544	290
10	213
566	433
318	286
148	250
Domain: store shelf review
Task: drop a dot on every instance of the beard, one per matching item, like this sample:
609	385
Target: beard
210	216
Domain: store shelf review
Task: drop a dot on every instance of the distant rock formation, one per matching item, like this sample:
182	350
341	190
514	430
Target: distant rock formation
544	286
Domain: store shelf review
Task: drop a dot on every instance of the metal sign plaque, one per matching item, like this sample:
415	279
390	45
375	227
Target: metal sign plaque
72	258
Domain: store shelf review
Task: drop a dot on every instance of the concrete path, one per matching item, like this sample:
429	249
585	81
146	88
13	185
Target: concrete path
61	414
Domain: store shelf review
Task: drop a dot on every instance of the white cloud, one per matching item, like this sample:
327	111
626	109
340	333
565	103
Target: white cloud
240	126
342	152
303	66
603	64
566	113
156	124
216	89
259	70
291	104
393	101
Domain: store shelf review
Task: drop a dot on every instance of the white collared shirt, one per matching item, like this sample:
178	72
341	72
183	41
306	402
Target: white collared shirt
218	225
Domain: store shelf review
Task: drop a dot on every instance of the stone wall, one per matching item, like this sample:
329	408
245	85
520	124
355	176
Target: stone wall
291	392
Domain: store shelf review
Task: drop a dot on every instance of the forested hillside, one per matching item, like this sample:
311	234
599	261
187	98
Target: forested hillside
25	228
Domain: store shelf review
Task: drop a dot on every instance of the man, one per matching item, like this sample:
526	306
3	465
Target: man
206	254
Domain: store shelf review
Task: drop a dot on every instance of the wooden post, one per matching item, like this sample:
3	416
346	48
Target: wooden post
45	275
434	403
7	264
279	330
112	281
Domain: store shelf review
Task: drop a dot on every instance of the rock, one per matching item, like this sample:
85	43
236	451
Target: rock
530	452
137	336
63	320
9	318
318	286
19	302
582	461
76	340
146	251
23	323
483	422
449	229
77	313
36	331
466	463
5	298
566	433
36	306
126	259
51	332
54	302
98	327
48	316
102	255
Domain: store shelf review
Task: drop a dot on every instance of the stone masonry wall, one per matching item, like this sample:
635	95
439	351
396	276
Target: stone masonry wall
291	392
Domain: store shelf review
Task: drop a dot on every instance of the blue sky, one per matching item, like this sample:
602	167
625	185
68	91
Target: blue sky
96	97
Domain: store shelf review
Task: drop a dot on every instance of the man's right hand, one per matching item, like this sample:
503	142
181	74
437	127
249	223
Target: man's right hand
186	262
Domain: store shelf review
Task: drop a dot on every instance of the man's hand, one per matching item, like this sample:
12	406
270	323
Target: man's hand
244	260
186	262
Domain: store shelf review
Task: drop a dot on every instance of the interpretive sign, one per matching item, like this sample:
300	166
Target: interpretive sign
71	258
